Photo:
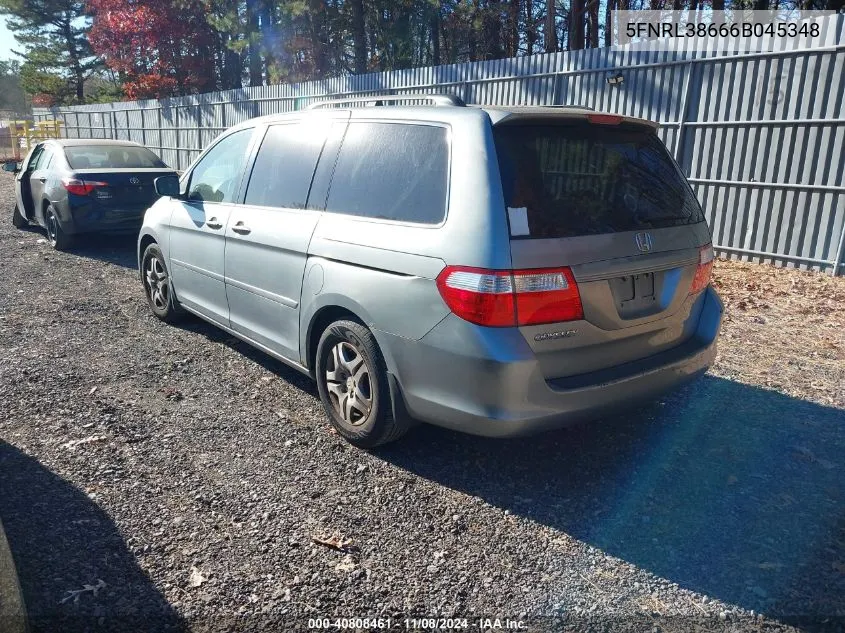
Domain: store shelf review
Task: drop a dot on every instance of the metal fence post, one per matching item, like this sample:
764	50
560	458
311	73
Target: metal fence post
682	118
840	252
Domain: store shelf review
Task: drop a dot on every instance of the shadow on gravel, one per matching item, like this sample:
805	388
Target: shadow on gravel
729	490
214	334
62	543
114	249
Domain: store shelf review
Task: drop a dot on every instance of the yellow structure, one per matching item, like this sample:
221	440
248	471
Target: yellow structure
23	134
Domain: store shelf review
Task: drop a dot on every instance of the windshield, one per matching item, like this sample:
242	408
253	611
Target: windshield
584	179
111	156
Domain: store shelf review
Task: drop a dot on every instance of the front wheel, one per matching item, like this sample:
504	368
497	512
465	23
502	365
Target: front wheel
56	235
18	221
157	286
352	381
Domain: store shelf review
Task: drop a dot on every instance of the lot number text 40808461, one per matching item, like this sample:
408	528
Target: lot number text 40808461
418	624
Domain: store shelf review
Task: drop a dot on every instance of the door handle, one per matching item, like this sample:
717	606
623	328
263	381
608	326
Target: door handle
214	223
241	228
42	179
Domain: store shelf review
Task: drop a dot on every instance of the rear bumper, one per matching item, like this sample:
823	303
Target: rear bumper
94	219
456	378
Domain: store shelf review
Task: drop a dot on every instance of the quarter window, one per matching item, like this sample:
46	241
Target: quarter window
392	171
217	175
284	167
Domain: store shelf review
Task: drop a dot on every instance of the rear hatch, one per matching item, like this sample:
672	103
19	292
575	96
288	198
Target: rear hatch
600	196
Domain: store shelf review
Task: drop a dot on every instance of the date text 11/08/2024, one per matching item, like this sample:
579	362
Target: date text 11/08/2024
418	624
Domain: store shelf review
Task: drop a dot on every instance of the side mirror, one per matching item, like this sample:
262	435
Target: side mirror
167	186
12	166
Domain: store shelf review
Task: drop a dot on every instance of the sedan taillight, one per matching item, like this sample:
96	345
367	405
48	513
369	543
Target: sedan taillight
81	187
504	298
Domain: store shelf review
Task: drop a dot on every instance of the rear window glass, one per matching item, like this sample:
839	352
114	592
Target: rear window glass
111	156
392	171
583	179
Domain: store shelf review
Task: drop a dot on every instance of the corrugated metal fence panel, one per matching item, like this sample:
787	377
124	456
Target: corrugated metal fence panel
761	136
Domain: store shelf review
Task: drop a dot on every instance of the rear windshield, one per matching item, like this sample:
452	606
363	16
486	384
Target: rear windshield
583	179
111	156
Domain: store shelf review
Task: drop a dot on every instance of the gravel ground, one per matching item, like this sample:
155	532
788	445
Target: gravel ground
155	477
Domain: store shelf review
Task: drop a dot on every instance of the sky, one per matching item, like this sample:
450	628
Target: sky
7	40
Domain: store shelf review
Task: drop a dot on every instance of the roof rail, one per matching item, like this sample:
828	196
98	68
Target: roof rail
379	100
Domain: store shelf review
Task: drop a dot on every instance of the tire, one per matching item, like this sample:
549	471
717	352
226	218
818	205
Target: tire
18	220
350	362
56	235
157	286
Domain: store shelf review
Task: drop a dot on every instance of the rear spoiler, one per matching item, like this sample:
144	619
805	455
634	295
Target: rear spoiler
500	117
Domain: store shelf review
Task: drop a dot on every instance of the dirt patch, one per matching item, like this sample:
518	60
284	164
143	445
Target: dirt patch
784	329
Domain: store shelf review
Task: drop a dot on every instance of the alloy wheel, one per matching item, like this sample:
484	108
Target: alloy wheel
348	383
52	227
157	283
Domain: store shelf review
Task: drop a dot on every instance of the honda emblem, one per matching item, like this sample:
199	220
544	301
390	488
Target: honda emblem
644	242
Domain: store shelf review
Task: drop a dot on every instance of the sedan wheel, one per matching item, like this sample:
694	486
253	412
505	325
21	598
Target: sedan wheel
55	233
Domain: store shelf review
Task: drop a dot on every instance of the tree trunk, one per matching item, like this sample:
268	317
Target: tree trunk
530	28
576	25
593	20
550	27
75	63
608	23
255	78
318	37
513	29
359	36
435	36
234	69
718	5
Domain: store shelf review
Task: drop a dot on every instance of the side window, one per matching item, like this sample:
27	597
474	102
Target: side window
45	159
284	166
32	165
217	176
392	171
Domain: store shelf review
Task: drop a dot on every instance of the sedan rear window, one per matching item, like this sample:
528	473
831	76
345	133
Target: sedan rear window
584	179
111	157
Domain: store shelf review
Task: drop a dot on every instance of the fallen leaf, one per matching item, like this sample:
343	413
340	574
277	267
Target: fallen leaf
74	594
335	541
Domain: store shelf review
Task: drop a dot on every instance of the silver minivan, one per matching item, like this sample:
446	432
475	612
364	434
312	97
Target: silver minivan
496	270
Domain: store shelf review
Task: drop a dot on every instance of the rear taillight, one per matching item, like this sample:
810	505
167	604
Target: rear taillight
702	272
81	187
502	298
479	296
